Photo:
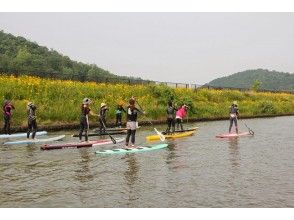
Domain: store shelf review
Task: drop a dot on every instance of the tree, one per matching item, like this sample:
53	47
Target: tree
256	85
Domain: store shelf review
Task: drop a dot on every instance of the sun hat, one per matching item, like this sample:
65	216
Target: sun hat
103	104
86	101
30	103
235	102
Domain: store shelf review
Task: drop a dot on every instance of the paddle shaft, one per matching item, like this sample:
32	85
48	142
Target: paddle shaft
112	139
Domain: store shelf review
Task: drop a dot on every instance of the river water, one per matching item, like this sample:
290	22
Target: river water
198	171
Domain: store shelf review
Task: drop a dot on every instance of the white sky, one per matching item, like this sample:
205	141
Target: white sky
175	47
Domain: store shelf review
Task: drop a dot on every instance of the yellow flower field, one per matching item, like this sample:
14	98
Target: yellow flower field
59	101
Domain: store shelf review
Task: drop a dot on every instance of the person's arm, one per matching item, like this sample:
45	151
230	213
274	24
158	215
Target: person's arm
143	113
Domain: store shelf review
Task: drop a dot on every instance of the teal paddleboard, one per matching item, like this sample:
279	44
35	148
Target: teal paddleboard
132	150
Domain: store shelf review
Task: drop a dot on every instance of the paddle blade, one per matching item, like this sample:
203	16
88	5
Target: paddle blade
161	136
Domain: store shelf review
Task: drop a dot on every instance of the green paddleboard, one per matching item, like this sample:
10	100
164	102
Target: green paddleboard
132	150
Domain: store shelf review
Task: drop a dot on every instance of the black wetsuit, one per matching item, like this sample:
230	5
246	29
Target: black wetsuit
7	107
102	119
84	122
32	121
171	111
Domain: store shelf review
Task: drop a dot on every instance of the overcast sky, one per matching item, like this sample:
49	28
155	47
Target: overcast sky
175	47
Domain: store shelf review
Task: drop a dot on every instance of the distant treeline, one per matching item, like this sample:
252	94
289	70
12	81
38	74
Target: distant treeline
269	80
20	56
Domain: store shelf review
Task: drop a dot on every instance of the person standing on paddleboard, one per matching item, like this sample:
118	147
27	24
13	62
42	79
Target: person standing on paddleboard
7	113
84	118
180	115
102	117
32	120
132	114
171	111
234	113
118	113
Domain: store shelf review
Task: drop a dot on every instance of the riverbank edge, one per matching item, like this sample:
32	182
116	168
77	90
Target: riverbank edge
75	126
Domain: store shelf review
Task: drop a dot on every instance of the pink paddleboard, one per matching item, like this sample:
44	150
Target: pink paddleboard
232	135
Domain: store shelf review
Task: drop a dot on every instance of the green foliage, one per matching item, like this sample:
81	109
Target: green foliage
266	107
270	80
20	56
256	85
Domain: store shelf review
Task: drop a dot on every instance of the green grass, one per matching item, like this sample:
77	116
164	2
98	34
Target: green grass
59	101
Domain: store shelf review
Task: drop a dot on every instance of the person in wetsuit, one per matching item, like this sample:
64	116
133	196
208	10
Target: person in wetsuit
32	120
171	111
7	113
102	117
84	118
234	113
118	113
132	114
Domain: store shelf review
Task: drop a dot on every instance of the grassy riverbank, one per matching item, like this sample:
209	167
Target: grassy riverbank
59	101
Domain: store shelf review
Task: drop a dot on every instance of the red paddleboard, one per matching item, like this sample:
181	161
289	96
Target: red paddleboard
232	135
79	144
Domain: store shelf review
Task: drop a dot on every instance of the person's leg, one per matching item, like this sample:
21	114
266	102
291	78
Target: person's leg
116	121
178	123
34	128
5	125
81	130
86	131
236	125
119	120
104	124
129	131
8	126
29	128
101	125
181	123
133	137
231	124
173	125
168	125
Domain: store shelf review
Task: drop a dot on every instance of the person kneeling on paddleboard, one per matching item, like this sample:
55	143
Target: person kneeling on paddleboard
234	113
32	120
84	118
171	110
132	114
180	115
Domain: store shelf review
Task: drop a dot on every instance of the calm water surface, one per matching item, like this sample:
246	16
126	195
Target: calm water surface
198	171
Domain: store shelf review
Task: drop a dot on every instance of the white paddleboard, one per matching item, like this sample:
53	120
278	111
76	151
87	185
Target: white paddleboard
34	141
18	135
232	135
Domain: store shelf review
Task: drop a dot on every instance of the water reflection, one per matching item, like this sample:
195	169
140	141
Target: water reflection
83	173
234	152
131	176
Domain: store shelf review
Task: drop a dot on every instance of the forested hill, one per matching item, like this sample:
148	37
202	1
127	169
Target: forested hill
270	80
20	56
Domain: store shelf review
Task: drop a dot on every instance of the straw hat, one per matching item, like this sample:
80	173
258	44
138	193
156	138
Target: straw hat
235	102
103	104
86	101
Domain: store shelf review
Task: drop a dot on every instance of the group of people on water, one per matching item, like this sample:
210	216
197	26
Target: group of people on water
31	114
175	116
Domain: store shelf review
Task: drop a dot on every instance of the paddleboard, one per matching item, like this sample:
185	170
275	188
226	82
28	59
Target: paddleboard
172	136
80	144
110	129
34	141
102	134
233	135
181	131
136	149
17	135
